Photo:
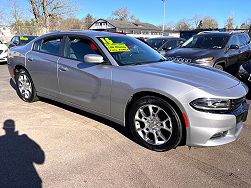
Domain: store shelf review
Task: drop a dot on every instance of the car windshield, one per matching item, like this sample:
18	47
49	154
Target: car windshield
130	51
26	39
206	42
156	43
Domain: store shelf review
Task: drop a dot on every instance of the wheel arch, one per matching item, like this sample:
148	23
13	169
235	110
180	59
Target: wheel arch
141	94
221	62
18	67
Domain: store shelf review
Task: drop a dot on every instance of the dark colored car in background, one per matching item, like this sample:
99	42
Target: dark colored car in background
164	43
244	73
222	50
19	40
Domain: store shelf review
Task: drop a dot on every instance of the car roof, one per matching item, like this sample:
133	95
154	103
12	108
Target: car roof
25	36
221	33
83	32
163	38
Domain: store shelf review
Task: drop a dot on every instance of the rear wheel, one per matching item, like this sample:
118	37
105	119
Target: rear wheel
155	123
25	87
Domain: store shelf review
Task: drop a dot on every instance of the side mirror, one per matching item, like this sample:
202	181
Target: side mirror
16	42
93	58
162	52
234	47
180	45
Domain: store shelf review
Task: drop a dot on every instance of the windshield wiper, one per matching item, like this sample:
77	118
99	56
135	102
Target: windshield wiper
161	60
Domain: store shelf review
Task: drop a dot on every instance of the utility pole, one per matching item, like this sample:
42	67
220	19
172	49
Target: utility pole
164	14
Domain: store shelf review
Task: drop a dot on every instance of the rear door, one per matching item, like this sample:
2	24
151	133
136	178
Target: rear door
84	84
42	64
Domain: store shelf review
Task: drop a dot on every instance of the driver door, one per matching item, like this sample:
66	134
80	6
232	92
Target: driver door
84	84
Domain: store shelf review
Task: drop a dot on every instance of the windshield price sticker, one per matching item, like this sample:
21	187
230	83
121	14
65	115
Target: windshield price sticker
23	38
114	47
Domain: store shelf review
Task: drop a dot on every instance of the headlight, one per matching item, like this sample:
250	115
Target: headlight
5	51
205	104
204	60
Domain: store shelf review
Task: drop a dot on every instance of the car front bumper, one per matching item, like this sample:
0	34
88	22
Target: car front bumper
209	129
3	57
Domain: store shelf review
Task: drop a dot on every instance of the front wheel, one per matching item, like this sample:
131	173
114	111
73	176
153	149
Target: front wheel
25	87
219	66
155	124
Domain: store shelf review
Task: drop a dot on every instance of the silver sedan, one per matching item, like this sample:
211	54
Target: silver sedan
164	104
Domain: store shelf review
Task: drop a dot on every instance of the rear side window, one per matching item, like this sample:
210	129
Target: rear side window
243	40
49	46
247	38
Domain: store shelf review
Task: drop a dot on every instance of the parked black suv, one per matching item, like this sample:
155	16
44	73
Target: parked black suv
222	50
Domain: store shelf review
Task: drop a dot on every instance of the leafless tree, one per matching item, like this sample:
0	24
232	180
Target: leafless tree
16	16
246	24
209	23
123	14
230	23
196	21
183	25
45	11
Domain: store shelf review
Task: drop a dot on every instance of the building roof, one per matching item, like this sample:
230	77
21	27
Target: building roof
131	25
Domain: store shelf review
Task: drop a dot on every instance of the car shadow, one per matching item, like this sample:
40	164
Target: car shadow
18	153
122	130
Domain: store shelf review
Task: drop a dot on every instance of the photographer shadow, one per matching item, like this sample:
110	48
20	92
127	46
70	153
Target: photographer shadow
18	153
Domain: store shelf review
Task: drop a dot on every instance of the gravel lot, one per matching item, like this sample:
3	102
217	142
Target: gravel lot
65	147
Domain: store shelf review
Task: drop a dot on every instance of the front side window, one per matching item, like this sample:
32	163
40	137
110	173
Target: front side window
25	39
234	41
50	46
155	43
206	42
170	45
77	48
130	51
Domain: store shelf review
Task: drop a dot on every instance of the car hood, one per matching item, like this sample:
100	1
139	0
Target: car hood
195	75
191	53
3	47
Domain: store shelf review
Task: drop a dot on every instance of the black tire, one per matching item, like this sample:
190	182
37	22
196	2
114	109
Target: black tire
176	135
32	97
219	66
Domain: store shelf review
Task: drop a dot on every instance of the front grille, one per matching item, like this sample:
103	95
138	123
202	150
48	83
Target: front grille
235	103
179	59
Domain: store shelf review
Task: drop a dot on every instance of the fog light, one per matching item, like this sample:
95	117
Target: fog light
220	134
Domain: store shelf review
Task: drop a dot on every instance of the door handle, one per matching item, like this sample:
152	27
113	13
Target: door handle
30	59
63	69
